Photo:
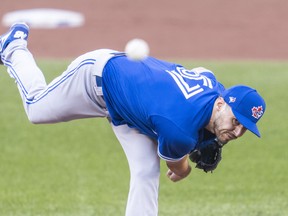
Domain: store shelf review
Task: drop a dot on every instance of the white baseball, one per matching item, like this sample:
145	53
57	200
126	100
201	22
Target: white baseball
137	49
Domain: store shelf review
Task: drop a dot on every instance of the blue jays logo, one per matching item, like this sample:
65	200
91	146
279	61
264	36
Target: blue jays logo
232	99
257	112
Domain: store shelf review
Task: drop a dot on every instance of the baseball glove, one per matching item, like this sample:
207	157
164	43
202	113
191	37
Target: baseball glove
207	155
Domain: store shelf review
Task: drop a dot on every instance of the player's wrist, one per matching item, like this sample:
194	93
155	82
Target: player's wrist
188	170
180	168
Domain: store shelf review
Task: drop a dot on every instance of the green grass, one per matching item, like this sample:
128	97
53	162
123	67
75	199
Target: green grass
78	168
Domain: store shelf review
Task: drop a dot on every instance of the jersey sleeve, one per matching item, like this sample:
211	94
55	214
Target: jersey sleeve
173	143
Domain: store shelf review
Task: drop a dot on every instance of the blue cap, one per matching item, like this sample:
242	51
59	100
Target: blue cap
247	106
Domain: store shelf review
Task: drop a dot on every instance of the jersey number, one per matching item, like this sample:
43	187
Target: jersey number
181	74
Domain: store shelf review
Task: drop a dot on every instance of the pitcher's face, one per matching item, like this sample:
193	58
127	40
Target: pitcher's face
226	126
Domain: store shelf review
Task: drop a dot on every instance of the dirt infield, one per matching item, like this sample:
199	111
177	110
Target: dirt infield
206	29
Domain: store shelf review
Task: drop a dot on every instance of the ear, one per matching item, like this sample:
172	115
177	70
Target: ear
219	103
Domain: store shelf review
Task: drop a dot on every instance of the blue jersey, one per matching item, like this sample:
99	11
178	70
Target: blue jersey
162	100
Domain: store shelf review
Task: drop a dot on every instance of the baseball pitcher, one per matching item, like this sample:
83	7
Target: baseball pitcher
157	109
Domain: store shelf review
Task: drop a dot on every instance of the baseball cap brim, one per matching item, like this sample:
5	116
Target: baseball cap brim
247	123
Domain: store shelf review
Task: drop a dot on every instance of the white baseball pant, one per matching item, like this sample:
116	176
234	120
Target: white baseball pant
74	95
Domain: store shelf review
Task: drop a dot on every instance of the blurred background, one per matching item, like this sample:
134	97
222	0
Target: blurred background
206	29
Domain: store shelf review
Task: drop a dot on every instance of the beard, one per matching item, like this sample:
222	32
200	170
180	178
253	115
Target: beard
223	136
222	139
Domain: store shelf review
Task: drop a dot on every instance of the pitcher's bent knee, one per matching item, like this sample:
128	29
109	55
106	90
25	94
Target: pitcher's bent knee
35	119
41	117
